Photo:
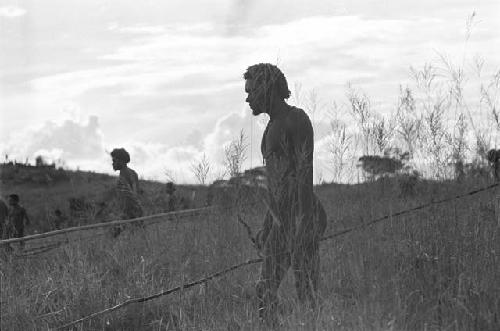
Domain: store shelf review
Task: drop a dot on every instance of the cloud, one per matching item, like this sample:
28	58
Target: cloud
12	12
137	29
228	128
69	140
176	89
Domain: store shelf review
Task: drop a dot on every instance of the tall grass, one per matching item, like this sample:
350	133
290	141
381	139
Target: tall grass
436	269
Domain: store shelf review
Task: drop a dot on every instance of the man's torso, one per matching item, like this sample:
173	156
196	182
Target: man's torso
4	212
279	148
127	193
16	216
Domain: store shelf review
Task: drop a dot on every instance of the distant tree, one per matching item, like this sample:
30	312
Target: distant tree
170	175
408	121
459	147
201	169
377	166
382	131
339	147
361	111
235	155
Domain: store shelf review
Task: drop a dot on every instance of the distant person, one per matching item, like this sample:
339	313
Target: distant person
295	220
127	187
16	218
4	214
171	197
494	160
59	219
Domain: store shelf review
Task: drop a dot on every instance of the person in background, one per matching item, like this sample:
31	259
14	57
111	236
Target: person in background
4	213
59	219
127	187
16	219
296	219
171	196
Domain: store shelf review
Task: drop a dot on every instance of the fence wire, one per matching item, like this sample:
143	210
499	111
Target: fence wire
150	218
259	260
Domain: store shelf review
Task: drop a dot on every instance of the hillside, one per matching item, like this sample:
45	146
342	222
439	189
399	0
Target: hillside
434	268
43	189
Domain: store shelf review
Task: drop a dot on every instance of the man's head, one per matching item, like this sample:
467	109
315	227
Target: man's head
264	82
13	199
120	158
57	212
493	155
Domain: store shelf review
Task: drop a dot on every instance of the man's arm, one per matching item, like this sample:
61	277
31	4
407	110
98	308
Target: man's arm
26	217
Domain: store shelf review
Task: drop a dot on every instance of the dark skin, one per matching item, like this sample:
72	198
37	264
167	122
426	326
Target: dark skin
17	216
494	160
286	127
4	212
127	189
125	172
22	215
296	219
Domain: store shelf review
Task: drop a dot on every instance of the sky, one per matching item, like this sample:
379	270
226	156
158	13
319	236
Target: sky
163	79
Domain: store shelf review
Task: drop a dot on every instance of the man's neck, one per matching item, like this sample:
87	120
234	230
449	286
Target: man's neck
123	171
278	109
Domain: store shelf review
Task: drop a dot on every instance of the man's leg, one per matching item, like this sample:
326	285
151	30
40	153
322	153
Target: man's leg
305	267
306	261
20	234
274	267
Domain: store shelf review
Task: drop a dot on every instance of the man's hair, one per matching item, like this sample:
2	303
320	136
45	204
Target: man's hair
14	197
493	155
271	75
121	154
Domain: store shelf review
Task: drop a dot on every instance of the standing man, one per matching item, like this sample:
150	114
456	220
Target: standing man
127	187
295	219
17	216
494	161
59	219
171	197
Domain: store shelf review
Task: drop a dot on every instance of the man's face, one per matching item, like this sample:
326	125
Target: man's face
12	202
117	164
256	96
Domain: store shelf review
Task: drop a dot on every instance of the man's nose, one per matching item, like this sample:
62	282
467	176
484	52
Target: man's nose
247	99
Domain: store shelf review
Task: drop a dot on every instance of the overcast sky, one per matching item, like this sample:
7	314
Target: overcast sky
164	78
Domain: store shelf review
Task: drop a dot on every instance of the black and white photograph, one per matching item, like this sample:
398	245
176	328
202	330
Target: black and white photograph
249	165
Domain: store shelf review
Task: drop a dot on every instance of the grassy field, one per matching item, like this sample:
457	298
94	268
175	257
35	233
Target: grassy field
435	269
42	199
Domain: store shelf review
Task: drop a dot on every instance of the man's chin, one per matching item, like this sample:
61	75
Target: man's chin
256	112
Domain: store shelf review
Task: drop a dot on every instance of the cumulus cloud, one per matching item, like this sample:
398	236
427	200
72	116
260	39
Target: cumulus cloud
12	11
70	140
228	128
166	77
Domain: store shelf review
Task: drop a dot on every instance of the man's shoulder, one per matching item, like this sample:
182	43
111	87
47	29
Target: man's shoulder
18	209
298	117
131	173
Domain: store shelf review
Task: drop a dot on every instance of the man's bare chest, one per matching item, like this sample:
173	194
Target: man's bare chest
16	213
275	140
